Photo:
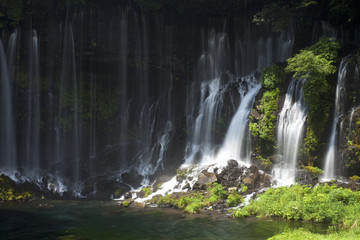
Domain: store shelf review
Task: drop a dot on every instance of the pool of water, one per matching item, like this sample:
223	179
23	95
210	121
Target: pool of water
105	220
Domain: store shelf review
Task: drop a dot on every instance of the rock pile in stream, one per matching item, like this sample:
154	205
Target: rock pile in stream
234	175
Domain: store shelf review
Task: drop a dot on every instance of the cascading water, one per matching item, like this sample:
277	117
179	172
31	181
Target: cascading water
289	133
330	159
236	144
222	95
32	144
100	97
8	142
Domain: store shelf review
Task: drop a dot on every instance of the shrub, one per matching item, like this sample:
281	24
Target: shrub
234	199
355	178
272	77
147	191
314	170
218	192
126	203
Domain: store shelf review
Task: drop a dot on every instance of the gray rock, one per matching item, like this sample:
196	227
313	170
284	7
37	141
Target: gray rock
205	178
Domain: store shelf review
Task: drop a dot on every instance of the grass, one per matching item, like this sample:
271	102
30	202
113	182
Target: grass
302	234
323	203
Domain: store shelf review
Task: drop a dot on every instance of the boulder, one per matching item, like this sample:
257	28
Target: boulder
256	180
205	178
231	163
137	205
104	188
307	177
230	175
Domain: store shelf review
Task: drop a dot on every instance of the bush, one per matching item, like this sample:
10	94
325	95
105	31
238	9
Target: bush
314	170
126	203
234	199
218	192
272	77
147	191
8	192
355	178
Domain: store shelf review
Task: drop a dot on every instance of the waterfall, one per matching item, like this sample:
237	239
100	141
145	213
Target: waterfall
236	144
289	133
32	147
123	78
8	142
98	97
219	102
210	65
351	117
330	159
257	47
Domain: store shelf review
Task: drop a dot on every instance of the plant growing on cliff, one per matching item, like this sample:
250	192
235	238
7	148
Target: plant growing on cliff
314	170
272	77
263	124
264	128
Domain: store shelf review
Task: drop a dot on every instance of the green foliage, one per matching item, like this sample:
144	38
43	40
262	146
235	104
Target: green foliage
9	193
283	13
311	142
181	174
234	199
191	203
315	170
218	192
324	203
194	205
126	203
167	200
352	150
355	178
11	12
272	77
308	65
315	65
265	161
344	10
303	234
244	188
147	191
263	122
264	128
118	193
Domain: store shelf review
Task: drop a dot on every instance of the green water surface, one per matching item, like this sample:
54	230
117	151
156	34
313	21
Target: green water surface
105	220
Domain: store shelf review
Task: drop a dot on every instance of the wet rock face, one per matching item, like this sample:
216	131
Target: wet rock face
233	175
103	188
255	179
230	176
307	177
